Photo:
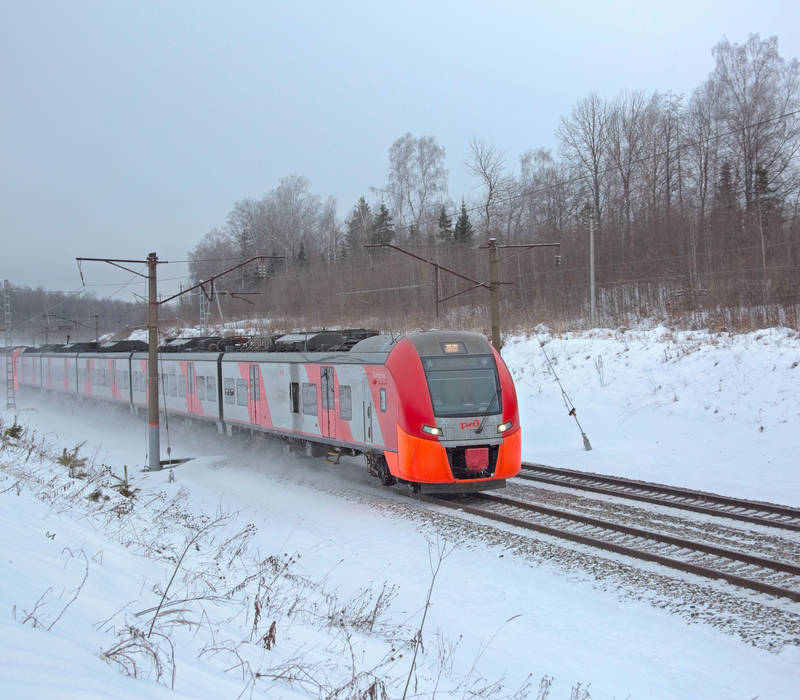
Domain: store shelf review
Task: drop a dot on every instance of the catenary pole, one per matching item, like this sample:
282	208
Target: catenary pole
152	262
153	426
494	290
592	290
494	279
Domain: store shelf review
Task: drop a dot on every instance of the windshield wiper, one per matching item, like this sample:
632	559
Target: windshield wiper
479	429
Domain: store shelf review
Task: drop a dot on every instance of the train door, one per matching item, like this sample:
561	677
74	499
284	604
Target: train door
367	410
192	404
255	395
327	421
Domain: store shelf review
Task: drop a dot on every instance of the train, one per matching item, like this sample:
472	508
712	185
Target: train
435	410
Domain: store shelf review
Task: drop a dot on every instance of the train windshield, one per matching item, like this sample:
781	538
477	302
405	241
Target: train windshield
463	386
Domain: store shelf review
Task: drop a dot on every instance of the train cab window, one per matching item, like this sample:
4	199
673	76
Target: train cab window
345	402
241	392
200	391
211	389
383	400
463	385
230	390
294	396
309	399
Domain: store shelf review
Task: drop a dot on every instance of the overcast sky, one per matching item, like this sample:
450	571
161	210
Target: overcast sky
130	127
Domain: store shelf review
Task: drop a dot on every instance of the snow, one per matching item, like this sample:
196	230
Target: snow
716	412
711	411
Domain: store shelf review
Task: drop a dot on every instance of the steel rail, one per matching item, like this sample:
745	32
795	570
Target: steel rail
626	549
760	513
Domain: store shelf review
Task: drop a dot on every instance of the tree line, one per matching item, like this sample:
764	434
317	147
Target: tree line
40	317
692	202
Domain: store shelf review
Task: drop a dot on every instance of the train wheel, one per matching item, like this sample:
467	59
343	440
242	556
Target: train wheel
377	466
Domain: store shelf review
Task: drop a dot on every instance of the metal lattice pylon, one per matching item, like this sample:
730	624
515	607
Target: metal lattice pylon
11	397
205	309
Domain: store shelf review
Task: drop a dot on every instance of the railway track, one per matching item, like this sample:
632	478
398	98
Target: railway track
736	567
757	512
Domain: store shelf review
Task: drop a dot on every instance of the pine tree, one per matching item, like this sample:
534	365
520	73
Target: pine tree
382	228
359	225
768	202
462	234
273	263
726	193
445	227
301	257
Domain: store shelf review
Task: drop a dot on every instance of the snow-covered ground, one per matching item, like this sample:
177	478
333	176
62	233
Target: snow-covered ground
343	567
712	411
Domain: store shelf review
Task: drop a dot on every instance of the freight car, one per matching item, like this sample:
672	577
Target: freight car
436	410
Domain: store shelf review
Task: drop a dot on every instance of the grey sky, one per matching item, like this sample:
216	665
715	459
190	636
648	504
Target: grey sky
128	127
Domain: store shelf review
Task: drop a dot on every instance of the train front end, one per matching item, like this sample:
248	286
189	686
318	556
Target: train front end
458	424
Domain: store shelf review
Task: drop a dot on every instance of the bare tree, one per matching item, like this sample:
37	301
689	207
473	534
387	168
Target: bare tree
702	142
245	226
487	164
291	217
757	89
584	142
417	181
626	135
214	253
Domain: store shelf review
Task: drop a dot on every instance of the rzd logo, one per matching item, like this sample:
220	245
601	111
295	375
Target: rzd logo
470	424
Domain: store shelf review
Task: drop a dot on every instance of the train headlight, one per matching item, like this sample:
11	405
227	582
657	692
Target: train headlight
504	426
432	430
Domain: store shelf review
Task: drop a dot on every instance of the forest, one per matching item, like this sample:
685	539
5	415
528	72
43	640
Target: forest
676	208
691	203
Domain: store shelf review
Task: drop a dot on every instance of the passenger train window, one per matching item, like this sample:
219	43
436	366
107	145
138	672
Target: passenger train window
211	389
201	388
309	399
345	402
241	392
173	385
230	391
383	400
294	396
181	385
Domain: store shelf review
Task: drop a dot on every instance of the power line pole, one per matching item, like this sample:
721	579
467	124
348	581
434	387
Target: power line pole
592	290
494	267
11	397
205	310
437	267
494	291
153	418
152	262
494	279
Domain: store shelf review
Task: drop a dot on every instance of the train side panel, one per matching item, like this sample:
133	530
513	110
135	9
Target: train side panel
333	402
188	384
104	376
30	370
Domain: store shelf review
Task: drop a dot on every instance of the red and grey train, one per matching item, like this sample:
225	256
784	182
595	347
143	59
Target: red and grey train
434	409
